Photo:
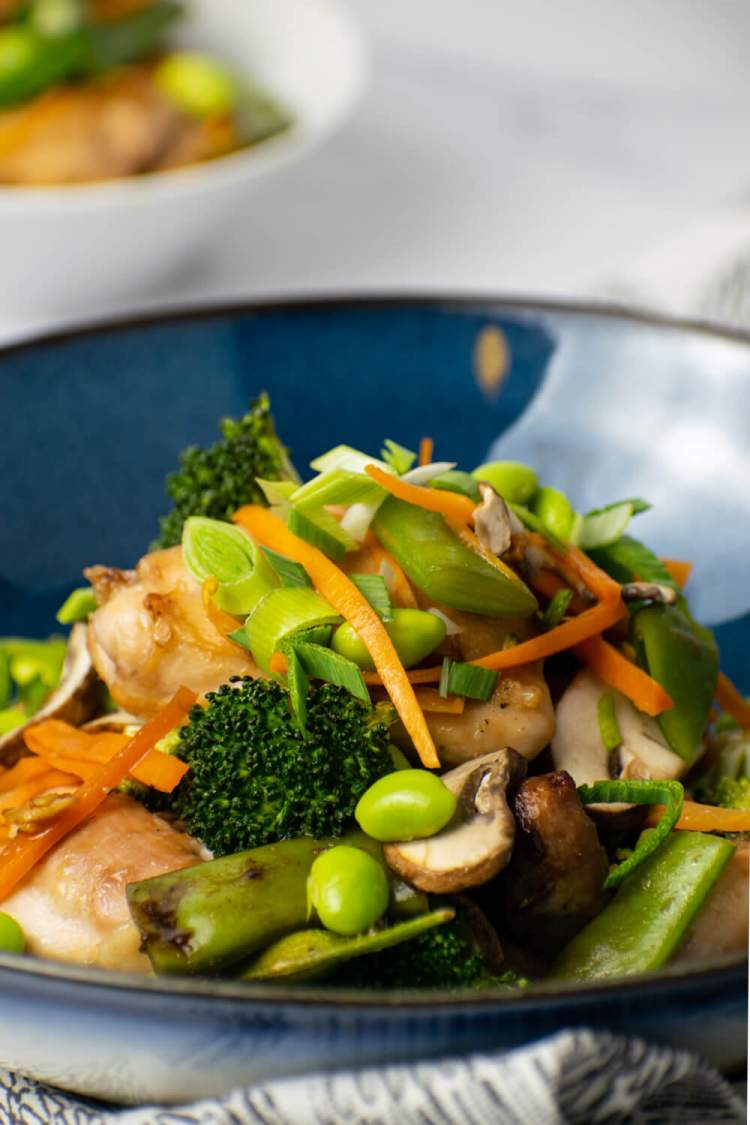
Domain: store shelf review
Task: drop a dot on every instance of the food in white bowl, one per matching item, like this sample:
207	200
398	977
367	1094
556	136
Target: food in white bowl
109	183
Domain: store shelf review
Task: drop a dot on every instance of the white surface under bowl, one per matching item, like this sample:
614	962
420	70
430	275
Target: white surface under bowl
72	249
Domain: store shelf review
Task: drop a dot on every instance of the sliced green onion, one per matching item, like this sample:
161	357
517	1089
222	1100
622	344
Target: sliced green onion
280	615
214	548
323	531
11	718
576	530
289	573
609	728
276	492
78	606
467	679
638	792
600	528
397	456
344	457
196	84
297	683
557	608
357	518
373	587
336	486
456	481
323	664
239	636
33	694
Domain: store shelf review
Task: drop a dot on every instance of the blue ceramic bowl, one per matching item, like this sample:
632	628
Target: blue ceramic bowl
608	405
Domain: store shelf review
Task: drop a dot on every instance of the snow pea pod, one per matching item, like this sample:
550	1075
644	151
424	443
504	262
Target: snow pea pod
644	923
444	568
684	659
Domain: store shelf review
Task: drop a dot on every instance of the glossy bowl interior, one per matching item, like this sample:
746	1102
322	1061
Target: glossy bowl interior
75	248
99	417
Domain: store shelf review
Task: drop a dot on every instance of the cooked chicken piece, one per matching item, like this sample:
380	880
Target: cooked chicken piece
519	714
151	634
722	924
554	882
72	907
118	125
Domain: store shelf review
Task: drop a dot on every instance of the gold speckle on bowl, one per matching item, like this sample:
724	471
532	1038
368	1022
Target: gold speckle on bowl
491	360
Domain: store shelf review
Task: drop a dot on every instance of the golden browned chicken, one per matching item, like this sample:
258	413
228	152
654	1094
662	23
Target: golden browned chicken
151	634
117	125
72	907
519	714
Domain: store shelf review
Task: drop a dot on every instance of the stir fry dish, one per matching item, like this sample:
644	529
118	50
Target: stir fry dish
400	725
90	90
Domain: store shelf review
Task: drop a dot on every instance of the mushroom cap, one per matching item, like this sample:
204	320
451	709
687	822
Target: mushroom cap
478	841
577	745
492	521
74	699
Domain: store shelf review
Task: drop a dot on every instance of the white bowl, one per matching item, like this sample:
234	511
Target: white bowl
70	248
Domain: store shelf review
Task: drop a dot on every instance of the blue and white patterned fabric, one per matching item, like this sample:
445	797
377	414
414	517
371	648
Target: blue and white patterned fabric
569	1078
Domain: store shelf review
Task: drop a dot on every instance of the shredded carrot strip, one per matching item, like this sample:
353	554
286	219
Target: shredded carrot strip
278	664
269	531
731	701
458	509
415	676
430	700
620	673
80	751
426	449
678	570
25	851
222	622
705	818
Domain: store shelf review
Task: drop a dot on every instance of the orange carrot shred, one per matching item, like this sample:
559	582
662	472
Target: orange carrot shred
414	676
426	449
24	770
678	570
731	701
705	818
269	531
610	665
22	853
458	509
278	664
50	779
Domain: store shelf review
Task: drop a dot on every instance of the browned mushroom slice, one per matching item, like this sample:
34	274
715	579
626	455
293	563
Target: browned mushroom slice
74	699
478	841
492	521
555	880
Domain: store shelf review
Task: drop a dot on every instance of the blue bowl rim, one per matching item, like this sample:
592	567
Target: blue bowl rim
683	978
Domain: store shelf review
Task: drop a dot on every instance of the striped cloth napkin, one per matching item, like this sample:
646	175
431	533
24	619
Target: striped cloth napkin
570	1078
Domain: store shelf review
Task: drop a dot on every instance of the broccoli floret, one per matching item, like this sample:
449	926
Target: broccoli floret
214	482
256	779
732	793
445	957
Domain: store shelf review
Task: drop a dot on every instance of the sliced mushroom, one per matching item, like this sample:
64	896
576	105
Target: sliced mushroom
117	721
74	699
577	745
648	592
492	521
478	841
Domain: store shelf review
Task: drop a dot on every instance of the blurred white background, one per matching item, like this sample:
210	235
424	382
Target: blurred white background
501	146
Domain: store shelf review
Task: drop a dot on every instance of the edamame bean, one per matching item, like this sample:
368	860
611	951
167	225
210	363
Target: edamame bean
348	890
415	634
196	84
406	805
555	511
512	480
11	935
